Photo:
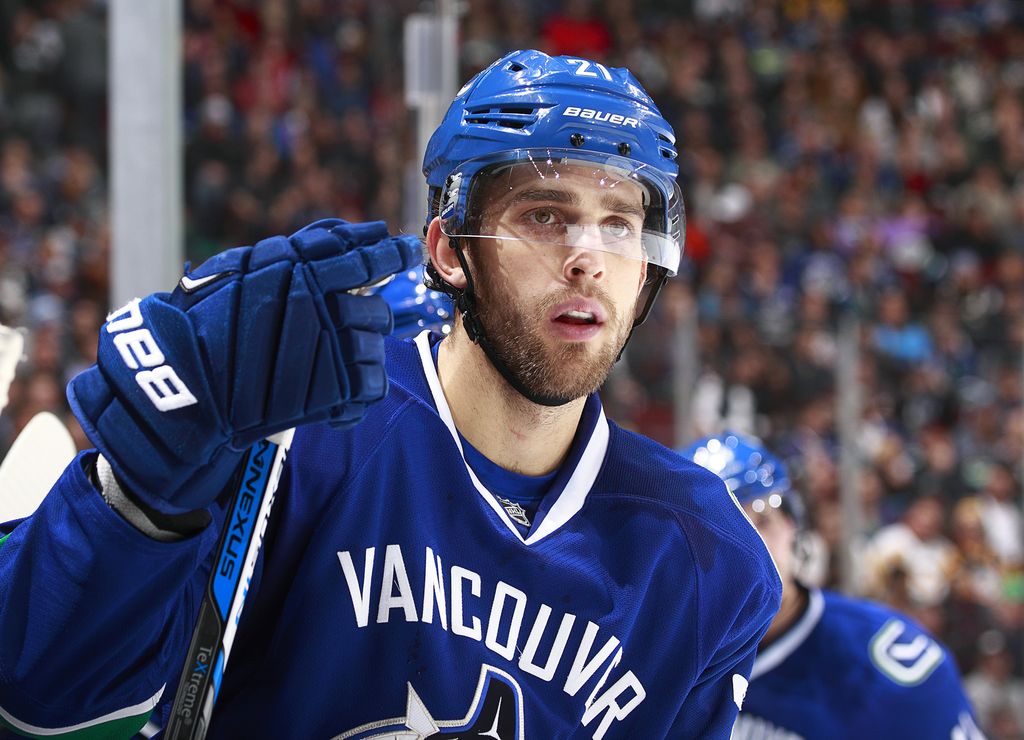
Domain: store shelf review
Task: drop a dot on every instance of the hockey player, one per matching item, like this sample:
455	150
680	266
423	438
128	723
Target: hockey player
831	666
462	544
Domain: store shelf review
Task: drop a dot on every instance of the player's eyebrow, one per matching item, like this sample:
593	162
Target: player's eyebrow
609	201
620	205
531	195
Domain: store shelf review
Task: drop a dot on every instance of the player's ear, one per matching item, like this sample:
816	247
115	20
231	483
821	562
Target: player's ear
443	257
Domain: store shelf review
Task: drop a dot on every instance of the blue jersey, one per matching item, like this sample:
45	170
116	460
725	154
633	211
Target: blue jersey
395	598
850	668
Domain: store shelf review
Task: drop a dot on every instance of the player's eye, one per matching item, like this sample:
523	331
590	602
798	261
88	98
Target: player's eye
618	229
541	217
543	222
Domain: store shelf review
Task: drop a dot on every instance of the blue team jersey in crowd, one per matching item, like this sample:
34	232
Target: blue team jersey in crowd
394	597
850	668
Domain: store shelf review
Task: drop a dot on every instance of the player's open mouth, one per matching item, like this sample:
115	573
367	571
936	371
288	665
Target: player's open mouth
578	319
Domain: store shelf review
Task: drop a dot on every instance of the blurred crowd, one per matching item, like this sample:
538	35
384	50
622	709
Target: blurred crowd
853	177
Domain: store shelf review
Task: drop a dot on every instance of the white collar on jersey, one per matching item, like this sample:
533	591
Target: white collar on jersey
785	646
570	499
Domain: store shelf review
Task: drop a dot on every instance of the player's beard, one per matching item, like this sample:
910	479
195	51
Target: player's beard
564	372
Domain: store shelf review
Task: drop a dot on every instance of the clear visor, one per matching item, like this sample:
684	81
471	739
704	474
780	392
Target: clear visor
573	199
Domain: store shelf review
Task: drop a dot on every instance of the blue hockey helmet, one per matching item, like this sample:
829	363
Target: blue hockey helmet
540	116
753	474
415	306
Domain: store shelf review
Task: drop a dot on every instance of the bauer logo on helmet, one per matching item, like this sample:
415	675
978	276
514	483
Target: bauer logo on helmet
599	115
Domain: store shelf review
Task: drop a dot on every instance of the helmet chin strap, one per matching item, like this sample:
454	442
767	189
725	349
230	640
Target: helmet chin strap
465	301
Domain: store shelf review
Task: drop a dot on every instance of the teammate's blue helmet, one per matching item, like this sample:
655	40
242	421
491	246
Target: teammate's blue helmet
543	114
753	474
415	306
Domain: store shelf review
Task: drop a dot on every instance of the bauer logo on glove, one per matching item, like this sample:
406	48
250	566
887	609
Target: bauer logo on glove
138	348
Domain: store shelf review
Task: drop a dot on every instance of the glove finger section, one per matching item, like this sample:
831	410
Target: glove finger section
257	326
368	264
370	232
331	236
368	312
296	353
348	415
364	363
394	254
328	385
369	382
216	339
269	251
343	272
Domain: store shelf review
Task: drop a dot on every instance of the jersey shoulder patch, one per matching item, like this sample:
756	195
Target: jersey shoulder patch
904	654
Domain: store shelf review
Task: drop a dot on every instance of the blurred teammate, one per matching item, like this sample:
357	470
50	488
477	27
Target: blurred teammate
462	545
830	666
416	307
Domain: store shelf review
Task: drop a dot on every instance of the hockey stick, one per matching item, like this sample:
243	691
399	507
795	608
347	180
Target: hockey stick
219	613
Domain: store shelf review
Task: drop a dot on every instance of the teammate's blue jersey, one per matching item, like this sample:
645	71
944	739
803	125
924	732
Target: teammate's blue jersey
850	668
394	597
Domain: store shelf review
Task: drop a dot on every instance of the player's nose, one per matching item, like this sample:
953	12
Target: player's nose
585	257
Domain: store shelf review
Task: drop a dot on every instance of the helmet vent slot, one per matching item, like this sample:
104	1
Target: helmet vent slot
507	116
515	67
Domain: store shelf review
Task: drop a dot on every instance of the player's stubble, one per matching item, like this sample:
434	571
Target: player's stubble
564	372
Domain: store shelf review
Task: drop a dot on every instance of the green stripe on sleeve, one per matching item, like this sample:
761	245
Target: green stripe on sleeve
118	729
121	724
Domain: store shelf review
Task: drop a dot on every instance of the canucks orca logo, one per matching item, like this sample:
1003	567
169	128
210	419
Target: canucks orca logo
496	712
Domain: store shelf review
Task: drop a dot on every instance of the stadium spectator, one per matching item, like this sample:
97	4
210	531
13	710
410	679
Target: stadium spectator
996	695
911	559
1001	517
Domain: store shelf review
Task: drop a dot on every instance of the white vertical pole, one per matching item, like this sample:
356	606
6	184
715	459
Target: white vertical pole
145	147
448	18
431	77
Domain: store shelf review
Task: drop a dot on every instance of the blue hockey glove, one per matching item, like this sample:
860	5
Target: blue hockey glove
256	340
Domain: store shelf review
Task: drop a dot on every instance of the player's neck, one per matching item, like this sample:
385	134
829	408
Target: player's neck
501	424
794	604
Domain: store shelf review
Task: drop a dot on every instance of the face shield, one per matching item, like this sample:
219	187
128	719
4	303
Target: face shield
568	199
